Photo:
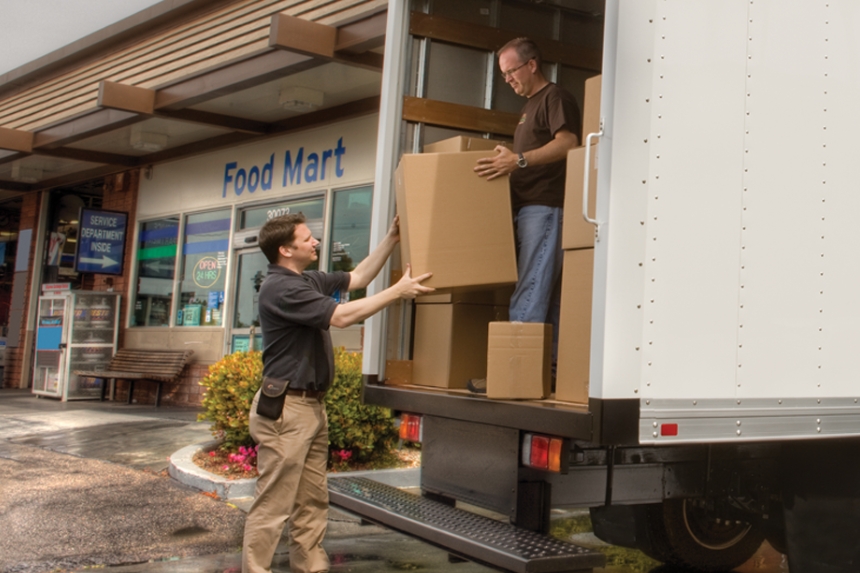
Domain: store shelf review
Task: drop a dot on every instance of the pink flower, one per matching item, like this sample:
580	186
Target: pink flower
247	467
225	468
212	454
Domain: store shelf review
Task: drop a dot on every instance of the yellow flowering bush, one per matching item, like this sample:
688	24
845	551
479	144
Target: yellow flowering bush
230	387
357	432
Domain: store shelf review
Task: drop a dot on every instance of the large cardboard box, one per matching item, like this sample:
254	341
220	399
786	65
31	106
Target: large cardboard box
462	143
576	232
498	296
574	340
591	107
450	343
519	357
453	223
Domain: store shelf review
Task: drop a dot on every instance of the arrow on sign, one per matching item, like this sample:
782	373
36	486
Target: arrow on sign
105	261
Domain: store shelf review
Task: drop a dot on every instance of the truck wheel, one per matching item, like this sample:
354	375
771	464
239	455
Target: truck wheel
690	536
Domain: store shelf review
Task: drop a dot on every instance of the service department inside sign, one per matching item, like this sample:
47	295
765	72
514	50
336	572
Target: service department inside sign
101	242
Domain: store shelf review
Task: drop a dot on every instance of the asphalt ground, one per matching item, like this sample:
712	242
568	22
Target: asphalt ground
83	486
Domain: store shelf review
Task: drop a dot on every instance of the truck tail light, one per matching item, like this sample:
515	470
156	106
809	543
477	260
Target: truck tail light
545	453
668	429
410	428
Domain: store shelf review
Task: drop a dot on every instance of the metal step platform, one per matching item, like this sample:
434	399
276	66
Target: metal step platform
473	536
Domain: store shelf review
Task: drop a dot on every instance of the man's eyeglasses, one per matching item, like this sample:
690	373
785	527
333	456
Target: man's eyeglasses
508	74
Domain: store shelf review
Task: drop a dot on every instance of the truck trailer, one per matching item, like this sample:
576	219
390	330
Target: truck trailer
723	391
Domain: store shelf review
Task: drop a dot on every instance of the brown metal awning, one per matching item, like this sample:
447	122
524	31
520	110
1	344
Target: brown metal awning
242	71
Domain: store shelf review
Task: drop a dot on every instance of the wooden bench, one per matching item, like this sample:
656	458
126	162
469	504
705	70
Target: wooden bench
158	366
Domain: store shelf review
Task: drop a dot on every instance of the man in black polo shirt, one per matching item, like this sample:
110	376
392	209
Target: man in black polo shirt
288	418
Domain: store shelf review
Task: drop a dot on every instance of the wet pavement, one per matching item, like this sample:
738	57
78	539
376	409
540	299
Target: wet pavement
83	486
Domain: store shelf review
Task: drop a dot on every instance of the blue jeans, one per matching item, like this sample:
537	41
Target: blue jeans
537	297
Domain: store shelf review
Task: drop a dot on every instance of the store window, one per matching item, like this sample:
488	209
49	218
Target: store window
204	265
350	231
156	266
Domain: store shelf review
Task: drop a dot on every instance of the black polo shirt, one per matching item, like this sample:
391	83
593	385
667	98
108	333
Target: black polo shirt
295	312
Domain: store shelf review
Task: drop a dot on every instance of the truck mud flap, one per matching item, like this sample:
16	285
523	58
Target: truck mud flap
461	532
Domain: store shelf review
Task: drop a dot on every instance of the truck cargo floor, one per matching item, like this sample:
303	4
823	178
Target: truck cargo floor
461	532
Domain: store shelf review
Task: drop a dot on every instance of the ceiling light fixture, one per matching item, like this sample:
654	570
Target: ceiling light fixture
26	173
149	141
299	99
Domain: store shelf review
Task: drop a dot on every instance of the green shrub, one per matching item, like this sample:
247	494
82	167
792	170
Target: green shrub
230	388
356	431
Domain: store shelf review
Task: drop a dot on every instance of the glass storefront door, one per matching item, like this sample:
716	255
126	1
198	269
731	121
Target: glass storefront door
251	266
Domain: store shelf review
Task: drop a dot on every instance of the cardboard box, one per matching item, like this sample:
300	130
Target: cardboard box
450	343
519	356
453	223
398	372
462	143
574	338
576	232
498	297
591	107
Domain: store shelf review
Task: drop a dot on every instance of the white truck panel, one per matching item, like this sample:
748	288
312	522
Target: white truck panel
619	255
725	171
694	197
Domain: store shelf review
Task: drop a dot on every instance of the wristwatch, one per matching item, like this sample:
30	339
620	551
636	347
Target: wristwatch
521	162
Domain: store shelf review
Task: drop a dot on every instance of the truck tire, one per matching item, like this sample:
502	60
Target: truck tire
689	536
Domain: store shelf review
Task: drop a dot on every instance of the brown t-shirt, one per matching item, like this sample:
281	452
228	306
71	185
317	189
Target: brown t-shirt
544	114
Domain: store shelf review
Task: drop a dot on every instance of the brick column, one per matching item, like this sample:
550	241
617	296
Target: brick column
17	371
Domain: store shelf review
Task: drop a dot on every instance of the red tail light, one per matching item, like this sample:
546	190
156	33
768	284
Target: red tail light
410	428
545	453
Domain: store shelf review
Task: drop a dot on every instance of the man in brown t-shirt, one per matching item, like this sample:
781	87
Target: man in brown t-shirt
549	127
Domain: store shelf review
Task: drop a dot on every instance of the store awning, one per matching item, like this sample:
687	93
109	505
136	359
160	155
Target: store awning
246	70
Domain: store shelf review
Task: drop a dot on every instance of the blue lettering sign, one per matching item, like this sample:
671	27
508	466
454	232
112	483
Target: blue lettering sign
101	242
298	168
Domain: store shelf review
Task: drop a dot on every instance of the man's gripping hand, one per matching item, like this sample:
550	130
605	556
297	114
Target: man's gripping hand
409	287
503	163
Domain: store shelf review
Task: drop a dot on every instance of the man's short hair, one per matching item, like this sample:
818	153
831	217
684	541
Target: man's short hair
526	50
279	232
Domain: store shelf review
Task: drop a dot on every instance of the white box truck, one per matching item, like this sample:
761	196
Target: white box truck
725	342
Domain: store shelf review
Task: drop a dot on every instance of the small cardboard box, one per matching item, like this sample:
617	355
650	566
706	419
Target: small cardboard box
454	223
519	356
591	107
577	233
462	143
574	337
450	343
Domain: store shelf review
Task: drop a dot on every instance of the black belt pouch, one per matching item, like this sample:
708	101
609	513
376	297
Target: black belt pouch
273	392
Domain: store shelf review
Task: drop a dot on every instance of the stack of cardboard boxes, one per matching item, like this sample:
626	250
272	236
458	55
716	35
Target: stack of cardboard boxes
459	226
574	340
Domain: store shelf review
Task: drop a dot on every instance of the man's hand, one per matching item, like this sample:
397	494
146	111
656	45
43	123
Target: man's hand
394	229
408	287
503	163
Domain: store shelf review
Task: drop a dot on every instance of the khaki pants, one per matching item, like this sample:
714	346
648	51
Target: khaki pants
291	489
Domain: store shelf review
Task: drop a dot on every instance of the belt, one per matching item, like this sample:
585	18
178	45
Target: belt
314	394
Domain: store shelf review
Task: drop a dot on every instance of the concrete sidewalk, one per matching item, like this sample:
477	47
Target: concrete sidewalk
82	485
